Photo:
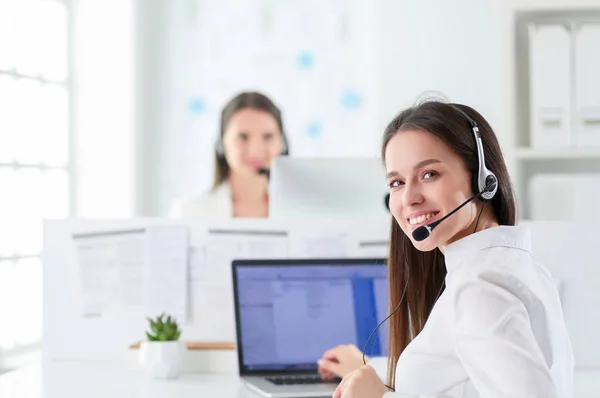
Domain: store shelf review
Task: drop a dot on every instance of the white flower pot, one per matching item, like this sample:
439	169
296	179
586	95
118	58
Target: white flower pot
162	359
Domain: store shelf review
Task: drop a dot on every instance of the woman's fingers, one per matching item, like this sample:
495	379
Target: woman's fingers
342	386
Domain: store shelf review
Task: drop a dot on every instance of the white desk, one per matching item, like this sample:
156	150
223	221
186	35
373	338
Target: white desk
102	380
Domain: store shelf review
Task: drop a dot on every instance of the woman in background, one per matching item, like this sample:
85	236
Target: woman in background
251	136
474	315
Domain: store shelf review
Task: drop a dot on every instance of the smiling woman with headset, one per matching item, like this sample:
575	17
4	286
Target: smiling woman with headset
473	314
251	136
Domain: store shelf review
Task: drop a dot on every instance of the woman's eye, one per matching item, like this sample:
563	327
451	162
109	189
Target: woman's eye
396	184
430	174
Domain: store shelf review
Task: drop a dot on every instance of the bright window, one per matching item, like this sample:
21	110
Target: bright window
35	172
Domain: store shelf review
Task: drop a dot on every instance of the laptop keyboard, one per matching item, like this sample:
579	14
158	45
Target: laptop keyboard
302	379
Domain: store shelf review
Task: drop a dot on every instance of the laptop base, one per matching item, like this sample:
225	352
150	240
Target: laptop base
262	386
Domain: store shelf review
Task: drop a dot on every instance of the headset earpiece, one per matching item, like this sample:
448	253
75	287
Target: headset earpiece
490	187
484	181
487	182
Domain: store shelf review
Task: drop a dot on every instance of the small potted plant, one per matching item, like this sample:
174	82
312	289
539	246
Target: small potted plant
162	354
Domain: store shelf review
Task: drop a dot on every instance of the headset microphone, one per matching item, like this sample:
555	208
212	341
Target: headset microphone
264	172
424	231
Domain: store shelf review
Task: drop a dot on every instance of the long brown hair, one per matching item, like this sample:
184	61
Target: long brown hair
424	272
253	100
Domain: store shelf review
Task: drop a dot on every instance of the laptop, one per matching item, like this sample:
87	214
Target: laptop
289	312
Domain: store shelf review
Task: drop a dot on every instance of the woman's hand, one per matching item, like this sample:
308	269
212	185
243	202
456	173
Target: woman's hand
362	383
340	361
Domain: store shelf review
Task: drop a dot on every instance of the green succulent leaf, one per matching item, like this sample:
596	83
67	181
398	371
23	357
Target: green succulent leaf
155	328
163	329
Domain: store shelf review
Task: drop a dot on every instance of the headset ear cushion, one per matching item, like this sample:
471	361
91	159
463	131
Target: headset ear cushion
491	186
491	179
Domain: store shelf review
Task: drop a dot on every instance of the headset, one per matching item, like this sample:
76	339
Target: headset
485	182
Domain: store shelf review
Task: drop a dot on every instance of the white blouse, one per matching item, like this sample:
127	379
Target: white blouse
215	204
496	331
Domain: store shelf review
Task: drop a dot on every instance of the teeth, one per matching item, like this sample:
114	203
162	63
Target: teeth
420	219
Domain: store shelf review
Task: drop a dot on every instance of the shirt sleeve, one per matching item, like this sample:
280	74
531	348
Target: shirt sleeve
494	340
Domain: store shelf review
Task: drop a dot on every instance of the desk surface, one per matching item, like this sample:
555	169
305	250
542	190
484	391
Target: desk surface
102	380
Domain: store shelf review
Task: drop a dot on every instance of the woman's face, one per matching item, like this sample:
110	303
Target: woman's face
252	139
428	180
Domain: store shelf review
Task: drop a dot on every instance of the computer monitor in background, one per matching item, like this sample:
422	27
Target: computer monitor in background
326	188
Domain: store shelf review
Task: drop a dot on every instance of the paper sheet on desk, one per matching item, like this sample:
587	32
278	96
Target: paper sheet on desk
334	239
211	279
128	271
320	243
167	271
111	268
222	246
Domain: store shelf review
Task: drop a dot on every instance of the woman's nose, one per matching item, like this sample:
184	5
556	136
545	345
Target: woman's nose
411	195
256	148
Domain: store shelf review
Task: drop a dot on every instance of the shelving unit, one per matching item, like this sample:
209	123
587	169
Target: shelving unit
530	159
557	154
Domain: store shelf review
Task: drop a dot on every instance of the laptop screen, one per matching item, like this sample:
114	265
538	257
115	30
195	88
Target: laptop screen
290	312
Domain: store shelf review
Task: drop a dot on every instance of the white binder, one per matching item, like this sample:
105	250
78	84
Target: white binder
550	85
587	99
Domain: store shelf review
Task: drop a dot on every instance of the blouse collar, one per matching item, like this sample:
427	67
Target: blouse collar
501	236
